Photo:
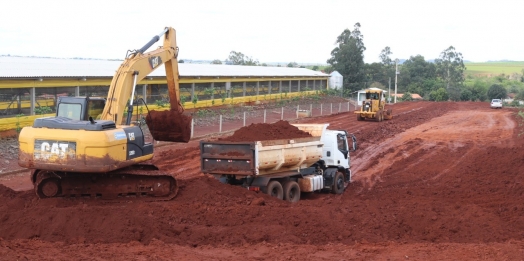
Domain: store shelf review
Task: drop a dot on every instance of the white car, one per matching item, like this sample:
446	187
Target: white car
496	103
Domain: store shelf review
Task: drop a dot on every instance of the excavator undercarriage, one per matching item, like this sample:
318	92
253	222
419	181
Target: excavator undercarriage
137	182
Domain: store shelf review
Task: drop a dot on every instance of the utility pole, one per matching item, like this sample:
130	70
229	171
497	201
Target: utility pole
396	74
389	92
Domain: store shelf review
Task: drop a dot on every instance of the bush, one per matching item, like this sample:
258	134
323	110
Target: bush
407	97
439	95
497	91
43	110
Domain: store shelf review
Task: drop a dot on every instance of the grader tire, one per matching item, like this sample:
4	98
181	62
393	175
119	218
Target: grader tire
388	115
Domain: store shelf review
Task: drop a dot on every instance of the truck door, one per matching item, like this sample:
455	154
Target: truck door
342	144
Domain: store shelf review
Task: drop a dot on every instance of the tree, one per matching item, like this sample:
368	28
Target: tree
292	64
497	91
216	61
417	69
239	58
328	69
385	57
236	58
450	67
520	95
348	59
387	69
375	72
314	68
180	61
479	90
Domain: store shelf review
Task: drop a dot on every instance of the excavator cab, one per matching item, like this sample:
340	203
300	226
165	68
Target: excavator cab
80	108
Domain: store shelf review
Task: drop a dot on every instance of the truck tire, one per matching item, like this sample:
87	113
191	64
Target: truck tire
339	183
359	117
274	189
291	191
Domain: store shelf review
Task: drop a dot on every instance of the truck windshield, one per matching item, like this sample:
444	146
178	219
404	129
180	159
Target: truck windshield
70	110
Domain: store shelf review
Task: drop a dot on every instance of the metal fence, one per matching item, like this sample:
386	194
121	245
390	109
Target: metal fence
220	121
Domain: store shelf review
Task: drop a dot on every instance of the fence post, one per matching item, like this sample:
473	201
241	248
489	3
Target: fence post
298	109
339	106
348	106
244	119
321	109
264	115
192	127
311	110
220	128
282	114
331	112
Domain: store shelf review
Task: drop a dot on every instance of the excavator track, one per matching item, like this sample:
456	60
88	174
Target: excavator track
139	182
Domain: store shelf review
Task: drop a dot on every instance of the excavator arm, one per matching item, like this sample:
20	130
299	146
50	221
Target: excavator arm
137	66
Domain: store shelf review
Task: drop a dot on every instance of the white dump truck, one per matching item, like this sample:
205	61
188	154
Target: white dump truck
284	168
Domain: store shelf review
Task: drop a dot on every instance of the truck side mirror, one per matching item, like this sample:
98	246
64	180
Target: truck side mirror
355	145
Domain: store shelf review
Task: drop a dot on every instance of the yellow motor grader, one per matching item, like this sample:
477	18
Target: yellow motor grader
373	107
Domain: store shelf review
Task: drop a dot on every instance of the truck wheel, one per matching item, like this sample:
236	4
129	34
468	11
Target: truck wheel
291	191
274	189
338	183
359	118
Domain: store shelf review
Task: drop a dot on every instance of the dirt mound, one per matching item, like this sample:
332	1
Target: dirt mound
267	131
169	125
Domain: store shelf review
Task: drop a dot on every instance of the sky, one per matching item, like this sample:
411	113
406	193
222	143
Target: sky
301	31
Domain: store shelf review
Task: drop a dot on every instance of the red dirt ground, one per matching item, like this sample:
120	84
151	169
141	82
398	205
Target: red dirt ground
440	181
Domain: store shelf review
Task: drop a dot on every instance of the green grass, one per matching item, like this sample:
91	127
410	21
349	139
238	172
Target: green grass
494	68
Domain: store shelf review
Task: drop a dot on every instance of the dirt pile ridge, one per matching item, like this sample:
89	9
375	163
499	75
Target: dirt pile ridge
267	131
451	192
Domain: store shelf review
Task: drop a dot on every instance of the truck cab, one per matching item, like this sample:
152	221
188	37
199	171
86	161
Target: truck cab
335	151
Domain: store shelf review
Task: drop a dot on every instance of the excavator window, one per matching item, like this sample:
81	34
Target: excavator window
70	110
95	108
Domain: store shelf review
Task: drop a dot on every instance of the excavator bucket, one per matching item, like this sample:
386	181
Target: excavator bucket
170	125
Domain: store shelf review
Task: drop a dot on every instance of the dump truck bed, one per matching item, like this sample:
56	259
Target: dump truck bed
263	157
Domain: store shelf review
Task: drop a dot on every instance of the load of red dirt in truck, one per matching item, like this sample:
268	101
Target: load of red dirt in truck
267	131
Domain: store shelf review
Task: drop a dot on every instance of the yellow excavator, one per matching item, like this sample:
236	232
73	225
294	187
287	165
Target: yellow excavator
91	149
